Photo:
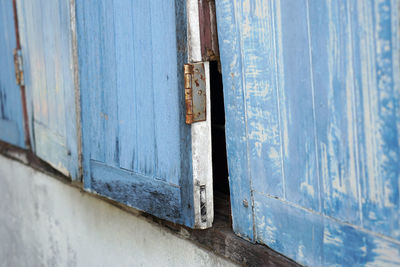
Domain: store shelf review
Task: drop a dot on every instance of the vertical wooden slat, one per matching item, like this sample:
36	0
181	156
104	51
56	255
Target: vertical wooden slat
144	87
11	106
334	83
260	83
108	83
300	159
335	68
380	95
165	78
125	69
136	147
235	112
46	43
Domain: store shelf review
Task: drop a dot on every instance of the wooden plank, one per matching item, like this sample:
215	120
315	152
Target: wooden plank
9	132
237	151
136	190
108	67
11	112
165	78
315	240
260	92
201	146
144	105
185	131
289	230
208	31
297	107
126	87
335	110
131	56
52	149
330	73
379	91
46	42
89	43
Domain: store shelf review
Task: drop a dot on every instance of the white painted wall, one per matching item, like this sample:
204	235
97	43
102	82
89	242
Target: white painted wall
45	222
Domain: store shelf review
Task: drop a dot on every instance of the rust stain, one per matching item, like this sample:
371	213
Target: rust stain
208	30
188	70
22	87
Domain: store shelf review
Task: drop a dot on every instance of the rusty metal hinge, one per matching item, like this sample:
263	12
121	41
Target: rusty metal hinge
195	92
19	72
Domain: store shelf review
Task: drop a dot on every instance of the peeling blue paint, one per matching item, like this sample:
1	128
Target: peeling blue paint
312	92
46	43
11	118
133	127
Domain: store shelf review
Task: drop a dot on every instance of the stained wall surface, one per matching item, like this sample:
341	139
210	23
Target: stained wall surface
45	222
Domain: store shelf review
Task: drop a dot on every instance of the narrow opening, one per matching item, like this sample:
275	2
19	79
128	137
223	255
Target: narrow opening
220	166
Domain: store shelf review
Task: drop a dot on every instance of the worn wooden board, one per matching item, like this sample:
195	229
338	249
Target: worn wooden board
137	148
11	112
200	131
311	99
46	41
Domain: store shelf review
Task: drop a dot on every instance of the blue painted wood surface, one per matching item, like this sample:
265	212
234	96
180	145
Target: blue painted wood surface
46	40
136	145
312	92
11	116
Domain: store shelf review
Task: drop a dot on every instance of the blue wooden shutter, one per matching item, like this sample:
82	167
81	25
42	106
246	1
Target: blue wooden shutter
312	93
11	114
136	145
46	40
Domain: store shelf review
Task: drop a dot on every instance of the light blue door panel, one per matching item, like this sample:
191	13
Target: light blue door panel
11	114
136	145
46	40
235	121
312	92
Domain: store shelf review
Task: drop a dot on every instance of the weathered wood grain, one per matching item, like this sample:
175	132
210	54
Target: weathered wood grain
11	112
235	113
318	126
46	42
131	55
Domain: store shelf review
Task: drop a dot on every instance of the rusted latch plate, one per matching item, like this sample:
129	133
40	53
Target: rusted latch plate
195	92
19	73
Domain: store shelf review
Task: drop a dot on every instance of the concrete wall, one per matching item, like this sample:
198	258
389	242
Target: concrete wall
45	222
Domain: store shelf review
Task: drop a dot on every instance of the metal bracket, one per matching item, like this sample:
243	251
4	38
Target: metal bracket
19	72
195	92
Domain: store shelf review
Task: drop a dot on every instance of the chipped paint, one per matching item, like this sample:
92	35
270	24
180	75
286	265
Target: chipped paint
320	87
11	96
46	45
135	130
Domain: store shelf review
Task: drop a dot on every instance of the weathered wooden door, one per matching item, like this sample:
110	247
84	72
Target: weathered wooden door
11	111
137	148
312	93
46	40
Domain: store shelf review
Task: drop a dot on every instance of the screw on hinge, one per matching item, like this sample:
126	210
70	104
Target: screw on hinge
203	203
